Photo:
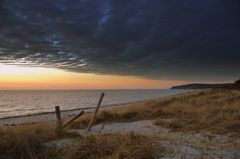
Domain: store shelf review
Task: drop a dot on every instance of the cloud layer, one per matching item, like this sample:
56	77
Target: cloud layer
159	39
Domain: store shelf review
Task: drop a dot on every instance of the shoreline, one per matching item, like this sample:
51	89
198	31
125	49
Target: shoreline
50	116
66	114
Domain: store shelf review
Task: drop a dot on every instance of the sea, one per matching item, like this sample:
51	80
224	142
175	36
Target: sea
29	102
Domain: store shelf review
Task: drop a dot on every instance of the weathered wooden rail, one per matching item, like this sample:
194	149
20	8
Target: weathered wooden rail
74	118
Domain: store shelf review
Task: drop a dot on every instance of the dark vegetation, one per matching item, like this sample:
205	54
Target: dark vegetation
235	85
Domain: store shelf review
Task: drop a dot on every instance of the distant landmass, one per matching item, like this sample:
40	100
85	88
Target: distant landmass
201	86
235	85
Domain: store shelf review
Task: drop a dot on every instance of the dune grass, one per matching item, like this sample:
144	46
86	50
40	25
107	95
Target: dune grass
216	110
213	110
27	141
19	145
117	146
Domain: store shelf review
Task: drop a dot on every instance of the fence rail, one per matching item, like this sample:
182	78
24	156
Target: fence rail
60	125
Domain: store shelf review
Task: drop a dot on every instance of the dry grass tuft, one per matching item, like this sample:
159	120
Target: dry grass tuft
27	141
20	146
128	146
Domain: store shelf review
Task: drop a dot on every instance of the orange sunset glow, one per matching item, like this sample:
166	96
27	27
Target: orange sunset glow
19	77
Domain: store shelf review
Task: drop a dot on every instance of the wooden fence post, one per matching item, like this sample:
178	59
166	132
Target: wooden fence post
59	119
95	112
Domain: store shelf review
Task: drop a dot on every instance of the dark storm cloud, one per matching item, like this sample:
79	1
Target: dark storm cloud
160	39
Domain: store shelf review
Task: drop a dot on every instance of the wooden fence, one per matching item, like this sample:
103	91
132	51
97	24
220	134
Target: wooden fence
60	125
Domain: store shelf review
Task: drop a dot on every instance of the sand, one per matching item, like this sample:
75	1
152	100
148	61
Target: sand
176	144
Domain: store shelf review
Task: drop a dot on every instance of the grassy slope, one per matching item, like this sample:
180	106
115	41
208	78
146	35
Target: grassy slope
216	110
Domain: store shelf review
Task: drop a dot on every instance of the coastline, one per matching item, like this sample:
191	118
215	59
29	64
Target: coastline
51	117
66	114
182	124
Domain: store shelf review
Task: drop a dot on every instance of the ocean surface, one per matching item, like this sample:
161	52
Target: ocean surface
20	103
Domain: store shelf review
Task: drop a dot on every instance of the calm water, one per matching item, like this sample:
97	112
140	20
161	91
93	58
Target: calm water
16	103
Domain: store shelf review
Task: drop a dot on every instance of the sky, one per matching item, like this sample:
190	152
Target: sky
95	44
